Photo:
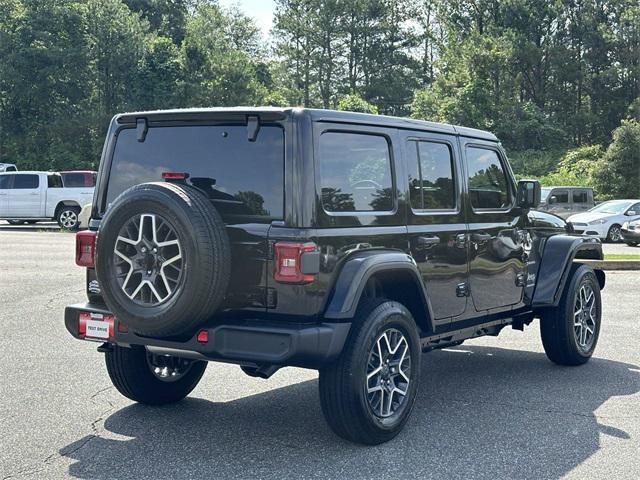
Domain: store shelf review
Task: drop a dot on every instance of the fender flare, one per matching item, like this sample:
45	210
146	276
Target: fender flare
358	269
557	256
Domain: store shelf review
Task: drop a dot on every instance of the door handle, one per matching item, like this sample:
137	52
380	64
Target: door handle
461	240
480	237
427	242
34	193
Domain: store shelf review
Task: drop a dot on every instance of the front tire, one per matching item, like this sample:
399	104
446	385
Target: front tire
614	235
570	331
632	244
149	379
368	393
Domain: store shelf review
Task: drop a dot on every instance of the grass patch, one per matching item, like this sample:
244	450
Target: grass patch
622	256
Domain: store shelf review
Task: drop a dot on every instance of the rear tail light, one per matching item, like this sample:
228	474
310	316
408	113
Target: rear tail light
86	249
289	262
203	336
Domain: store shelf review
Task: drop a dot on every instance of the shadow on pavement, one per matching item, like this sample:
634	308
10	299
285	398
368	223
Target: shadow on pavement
481	413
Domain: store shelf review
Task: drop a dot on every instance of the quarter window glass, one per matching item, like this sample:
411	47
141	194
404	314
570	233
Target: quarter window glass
242	178
355	172
26	181
431	176
579	197
488	187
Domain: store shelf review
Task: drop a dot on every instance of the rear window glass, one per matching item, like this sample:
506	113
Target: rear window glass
72	180
355	172
5	181
26	181
430	176
242	178
580	196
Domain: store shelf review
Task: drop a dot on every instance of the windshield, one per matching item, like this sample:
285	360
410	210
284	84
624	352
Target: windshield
616	207
544	193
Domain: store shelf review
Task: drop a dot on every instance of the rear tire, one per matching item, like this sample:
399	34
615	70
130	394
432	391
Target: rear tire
570	331
16	222
350	386
632	244
67	218
132	375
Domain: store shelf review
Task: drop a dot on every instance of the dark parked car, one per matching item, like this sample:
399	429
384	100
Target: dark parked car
631	232
336	241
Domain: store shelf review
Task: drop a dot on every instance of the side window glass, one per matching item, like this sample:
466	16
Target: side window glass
355	172
5	181
579	196
431	176
562	196
26	181
488	187
54	181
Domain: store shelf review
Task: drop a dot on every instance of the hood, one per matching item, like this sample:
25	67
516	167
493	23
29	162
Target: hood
589	217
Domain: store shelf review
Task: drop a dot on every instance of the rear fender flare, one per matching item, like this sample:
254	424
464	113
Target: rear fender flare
357	270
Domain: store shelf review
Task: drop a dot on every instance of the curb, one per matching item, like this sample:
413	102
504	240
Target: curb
611	264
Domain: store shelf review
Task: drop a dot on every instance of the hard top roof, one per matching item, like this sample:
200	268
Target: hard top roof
319	115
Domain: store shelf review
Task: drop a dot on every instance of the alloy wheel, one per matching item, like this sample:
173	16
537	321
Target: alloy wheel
388	373
68	219
168	368
148	259
615	234
585	317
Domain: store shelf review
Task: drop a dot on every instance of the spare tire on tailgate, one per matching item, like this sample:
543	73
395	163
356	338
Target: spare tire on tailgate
163	259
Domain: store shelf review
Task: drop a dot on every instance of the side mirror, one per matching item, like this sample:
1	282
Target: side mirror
529	194
553	199
631	213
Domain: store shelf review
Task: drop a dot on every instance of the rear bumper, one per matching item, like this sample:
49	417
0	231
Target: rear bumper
248	342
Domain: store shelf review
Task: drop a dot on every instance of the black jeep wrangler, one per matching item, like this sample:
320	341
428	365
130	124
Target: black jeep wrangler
336	241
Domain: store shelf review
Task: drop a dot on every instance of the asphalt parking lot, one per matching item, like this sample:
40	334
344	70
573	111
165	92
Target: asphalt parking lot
491	408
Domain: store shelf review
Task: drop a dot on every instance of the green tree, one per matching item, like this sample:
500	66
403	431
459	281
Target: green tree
355	103
619	173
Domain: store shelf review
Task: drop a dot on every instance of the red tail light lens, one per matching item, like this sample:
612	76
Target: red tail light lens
86	249
288	262
175	175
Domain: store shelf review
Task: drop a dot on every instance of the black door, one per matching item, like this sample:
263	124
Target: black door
496	254
436	221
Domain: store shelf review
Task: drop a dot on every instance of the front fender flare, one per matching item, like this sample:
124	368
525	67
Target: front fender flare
557	258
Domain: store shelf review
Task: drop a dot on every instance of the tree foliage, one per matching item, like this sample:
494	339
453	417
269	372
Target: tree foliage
552	79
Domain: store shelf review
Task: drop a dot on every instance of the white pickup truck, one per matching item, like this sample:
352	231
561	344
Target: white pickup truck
29	197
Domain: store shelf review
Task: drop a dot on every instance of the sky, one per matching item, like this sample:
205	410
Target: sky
261	10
